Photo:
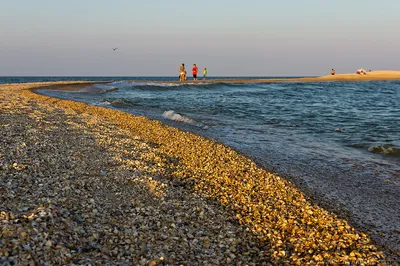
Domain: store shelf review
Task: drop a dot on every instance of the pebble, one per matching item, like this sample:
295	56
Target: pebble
184	205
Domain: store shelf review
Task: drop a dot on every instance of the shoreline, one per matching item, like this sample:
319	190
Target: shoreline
378	75
217	180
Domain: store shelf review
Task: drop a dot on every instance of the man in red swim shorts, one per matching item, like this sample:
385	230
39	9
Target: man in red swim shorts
194	71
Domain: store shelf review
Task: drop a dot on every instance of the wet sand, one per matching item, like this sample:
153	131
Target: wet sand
87	184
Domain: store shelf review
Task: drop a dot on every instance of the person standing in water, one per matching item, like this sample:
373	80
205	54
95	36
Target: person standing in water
205	73
182	72
194	72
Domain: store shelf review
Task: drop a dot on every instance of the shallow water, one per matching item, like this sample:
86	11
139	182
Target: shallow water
340	141
356	119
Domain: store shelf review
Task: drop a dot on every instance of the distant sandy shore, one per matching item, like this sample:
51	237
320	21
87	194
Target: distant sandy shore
373	75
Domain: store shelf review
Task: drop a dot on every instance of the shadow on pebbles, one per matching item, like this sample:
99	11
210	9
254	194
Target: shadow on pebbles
83	189
76	189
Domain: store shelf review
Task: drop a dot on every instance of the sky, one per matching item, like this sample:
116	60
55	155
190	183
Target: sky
229	37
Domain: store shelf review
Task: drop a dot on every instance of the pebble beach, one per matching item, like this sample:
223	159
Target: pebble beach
85	185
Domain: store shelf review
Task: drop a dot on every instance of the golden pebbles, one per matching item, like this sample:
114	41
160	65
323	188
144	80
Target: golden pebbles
293	230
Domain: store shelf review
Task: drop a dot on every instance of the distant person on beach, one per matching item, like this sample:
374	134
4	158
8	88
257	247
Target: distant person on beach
361	71
194	71
205	73
333	72
182	72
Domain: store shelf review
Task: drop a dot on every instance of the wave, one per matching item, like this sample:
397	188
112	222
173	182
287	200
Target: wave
386	150
103	103
171	115
98	89
174	85
125	84
121	103
358	146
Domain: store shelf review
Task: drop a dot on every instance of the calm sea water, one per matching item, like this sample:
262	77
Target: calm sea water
341	140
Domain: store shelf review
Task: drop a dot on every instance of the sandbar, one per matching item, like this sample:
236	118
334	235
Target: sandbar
373	75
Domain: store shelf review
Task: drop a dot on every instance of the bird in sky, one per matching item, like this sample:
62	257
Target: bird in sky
114	49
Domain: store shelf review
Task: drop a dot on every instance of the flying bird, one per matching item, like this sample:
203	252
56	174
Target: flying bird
114	49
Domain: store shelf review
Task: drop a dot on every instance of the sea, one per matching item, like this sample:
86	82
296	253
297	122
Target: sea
338	141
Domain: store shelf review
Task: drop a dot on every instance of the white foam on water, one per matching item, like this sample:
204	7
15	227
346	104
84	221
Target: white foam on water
104	103
171	115
140	84
98	89
158	84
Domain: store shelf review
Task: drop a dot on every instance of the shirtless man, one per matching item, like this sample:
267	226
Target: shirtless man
182	72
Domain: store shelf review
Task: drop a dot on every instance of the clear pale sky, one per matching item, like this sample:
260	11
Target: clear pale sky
229	37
